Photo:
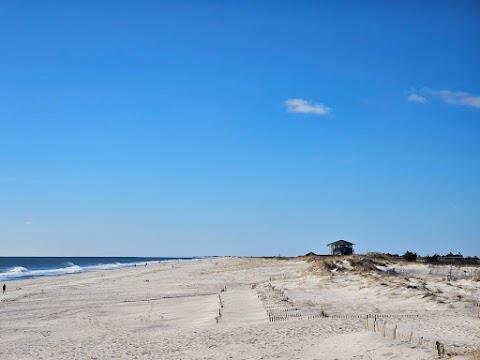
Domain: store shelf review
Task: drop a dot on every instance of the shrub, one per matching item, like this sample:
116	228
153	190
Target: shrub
410	256
432	259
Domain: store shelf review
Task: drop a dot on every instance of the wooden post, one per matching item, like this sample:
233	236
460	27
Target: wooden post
440	349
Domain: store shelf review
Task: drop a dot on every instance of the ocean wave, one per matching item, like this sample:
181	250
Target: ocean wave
17	270
110	266
20	272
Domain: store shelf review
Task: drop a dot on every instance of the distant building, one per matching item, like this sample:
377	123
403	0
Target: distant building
456	259
341	247
451	258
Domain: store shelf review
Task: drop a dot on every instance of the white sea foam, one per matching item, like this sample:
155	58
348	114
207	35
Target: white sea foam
111	266
17	270
20	272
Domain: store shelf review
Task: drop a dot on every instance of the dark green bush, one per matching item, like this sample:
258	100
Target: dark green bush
410	256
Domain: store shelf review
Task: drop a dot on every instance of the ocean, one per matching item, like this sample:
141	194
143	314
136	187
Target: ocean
14	268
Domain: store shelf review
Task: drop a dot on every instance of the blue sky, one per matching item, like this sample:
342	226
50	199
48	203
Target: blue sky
243	128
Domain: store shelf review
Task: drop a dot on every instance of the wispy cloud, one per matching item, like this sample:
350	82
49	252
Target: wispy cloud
461	98
417	98
306	107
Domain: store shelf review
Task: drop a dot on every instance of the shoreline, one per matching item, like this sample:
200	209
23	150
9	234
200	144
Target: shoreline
20	268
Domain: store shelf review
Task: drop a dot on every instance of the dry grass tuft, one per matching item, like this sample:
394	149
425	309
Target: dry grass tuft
476	355
384	257
476	275
325	266
355	263
330	265
365	264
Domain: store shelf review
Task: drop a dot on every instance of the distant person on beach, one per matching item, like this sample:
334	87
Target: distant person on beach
4	288
146	264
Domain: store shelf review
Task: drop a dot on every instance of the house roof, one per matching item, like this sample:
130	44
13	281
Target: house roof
341	242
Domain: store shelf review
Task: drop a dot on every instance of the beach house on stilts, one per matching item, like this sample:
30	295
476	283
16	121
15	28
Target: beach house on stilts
341	247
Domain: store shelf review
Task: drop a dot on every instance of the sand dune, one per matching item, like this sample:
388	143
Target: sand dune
289	309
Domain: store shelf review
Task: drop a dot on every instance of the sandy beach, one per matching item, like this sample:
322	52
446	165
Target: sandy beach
245	308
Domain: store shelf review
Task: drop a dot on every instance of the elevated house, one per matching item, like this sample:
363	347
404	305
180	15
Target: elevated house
458	259
341	247
451	258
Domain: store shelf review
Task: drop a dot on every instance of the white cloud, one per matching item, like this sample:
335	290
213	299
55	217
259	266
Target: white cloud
417	98
456	97
306	107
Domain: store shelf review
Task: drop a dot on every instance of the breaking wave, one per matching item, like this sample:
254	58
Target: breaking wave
19	272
